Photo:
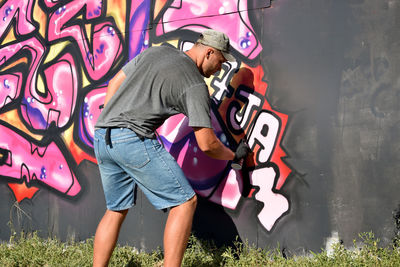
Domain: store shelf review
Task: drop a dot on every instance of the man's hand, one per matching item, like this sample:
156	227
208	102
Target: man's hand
242	151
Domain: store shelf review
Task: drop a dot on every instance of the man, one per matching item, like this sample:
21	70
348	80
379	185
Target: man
158	83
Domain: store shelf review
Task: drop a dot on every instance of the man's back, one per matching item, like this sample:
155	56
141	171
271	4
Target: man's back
160	82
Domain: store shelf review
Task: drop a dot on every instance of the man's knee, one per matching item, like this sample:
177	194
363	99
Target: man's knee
189	205
193	201
116	215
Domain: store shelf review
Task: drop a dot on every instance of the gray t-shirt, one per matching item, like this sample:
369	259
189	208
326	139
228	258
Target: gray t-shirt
160	82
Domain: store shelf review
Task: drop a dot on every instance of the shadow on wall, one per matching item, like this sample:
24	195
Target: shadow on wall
211	222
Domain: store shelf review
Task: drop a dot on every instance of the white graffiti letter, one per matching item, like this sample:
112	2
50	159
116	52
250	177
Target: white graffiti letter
274	204
264	133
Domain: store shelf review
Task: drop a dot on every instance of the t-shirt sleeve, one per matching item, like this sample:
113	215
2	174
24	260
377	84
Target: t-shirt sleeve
197	107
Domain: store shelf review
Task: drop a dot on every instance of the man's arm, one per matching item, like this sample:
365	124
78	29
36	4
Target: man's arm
211	145
113	85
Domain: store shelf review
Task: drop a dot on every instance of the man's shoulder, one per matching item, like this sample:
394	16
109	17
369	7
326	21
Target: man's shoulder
162	49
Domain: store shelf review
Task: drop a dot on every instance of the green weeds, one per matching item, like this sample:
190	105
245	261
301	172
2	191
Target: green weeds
31	250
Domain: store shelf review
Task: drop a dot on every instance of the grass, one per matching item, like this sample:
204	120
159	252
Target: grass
31	250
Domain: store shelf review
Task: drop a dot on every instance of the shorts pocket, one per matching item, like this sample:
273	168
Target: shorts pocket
131	152
96	150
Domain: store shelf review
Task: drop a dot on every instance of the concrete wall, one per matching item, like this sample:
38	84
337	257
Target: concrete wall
314	90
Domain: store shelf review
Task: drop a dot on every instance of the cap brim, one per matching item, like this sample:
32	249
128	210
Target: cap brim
228	57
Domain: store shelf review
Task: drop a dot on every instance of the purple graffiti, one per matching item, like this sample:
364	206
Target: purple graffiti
180	141
138	26
41	164
197	15
89	113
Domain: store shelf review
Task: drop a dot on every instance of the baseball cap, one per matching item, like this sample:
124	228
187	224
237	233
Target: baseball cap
217	40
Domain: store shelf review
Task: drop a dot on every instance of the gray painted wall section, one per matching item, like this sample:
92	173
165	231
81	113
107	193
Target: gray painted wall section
334	66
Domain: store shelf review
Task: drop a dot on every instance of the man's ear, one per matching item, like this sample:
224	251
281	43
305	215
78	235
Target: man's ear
209	52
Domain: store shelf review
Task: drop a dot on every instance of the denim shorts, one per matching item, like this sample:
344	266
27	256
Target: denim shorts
130	161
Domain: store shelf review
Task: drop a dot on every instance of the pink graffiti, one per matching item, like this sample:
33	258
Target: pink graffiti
106	45
197	15
93	8
229	191
36	50
90	112
51	3
10	88
61	92
22	11
42	164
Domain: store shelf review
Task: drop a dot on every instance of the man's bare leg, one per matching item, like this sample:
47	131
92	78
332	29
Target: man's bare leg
106	236
177	232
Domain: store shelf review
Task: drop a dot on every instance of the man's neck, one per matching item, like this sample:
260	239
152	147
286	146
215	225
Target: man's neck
195	54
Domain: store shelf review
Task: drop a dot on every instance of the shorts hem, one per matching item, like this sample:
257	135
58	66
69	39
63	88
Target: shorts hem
177	204
120	208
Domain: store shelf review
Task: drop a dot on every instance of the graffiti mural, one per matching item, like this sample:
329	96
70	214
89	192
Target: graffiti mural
56	58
